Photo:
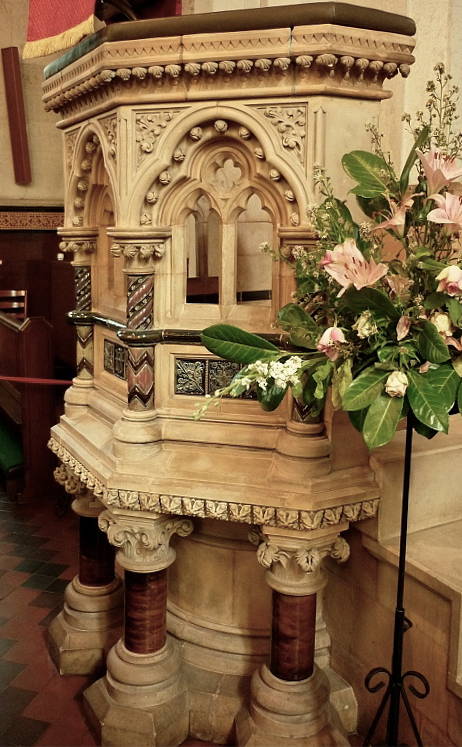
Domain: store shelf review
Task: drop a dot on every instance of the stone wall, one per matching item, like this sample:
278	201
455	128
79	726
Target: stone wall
46	187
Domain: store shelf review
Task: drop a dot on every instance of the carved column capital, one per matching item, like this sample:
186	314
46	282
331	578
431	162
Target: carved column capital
140	254
81	243
144	541
294	563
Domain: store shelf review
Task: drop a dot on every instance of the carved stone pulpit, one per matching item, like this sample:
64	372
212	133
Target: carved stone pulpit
188	143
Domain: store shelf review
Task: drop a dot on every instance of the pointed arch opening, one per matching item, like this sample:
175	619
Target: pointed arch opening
254	266
203	245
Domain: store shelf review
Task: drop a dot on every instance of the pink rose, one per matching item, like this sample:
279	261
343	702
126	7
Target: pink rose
329	341
403	327
450	281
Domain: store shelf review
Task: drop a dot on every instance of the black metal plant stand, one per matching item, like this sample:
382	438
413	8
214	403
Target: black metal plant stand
397	681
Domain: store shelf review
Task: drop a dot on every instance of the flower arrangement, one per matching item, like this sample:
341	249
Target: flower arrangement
377	314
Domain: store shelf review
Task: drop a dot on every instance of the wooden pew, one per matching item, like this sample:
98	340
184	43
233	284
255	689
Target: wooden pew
25	350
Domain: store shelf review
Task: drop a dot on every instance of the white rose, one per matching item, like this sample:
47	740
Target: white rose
442	323
365	325
396	384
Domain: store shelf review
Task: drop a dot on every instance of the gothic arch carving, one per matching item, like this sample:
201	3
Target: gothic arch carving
91	168
178	148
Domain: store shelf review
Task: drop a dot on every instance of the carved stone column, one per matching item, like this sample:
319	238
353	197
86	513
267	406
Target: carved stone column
89	624
289	702
82	244
143	698
137	425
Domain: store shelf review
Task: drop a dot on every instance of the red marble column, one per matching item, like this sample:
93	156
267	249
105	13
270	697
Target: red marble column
145	630
292	636
96	557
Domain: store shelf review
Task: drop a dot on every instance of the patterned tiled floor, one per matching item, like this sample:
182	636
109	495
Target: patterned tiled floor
38	553
38	556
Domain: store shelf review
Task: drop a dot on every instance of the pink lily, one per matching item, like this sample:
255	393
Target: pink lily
439	169
347	265
329	341
448	212
398	217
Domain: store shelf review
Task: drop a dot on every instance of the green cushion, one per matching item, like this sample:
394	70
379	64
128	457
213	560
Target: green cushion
11	454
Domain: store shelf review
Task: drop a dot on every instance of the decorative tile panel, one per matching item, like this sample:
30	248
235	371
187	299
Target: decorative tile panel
115	359
200	376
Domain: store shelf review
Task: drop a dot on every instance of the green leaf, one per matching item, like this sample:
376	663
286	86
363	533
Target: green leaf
350	228
410	161
236	345
271	398
427	404
302	328
459	399
431	345
373	206
372	299
431	264
455	310
364	389
369	170
457	365
445	381
387	353
322	377
341	380
357	418
435	301
424	430
381	420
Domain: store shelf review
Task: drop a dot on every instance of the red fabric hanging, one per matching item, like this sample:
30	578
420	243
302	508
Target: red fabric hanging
54	26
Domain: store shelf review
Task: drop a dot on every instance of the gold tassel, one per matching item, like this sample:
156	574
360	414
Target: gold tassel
66	39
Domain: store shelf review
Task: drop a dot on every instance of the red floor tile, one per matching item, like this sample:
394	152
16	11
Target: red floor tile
17	601
9	561
36	674
58	697
59	734
24	614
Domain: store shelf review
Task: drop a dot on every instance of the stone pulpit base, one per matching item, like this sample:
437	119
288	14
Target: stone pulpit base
184	152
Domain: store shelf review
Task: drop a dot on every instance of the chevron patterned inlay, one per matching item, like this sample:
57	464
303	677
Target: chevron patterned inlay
84	351
140	378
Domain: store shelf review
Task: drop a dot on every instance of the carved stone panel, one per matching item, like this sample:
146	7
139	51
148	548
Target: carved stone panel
290	123
201	376
115	359
149	125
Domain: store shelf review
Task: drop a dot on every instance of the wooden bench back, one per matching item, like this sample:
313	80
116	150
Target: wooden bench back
25	350
14	302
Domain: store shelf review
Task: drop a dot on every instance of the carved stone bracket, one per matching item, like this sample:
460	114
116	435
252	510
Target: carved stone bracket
294	563
69	481
84	503
78	246
144	542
